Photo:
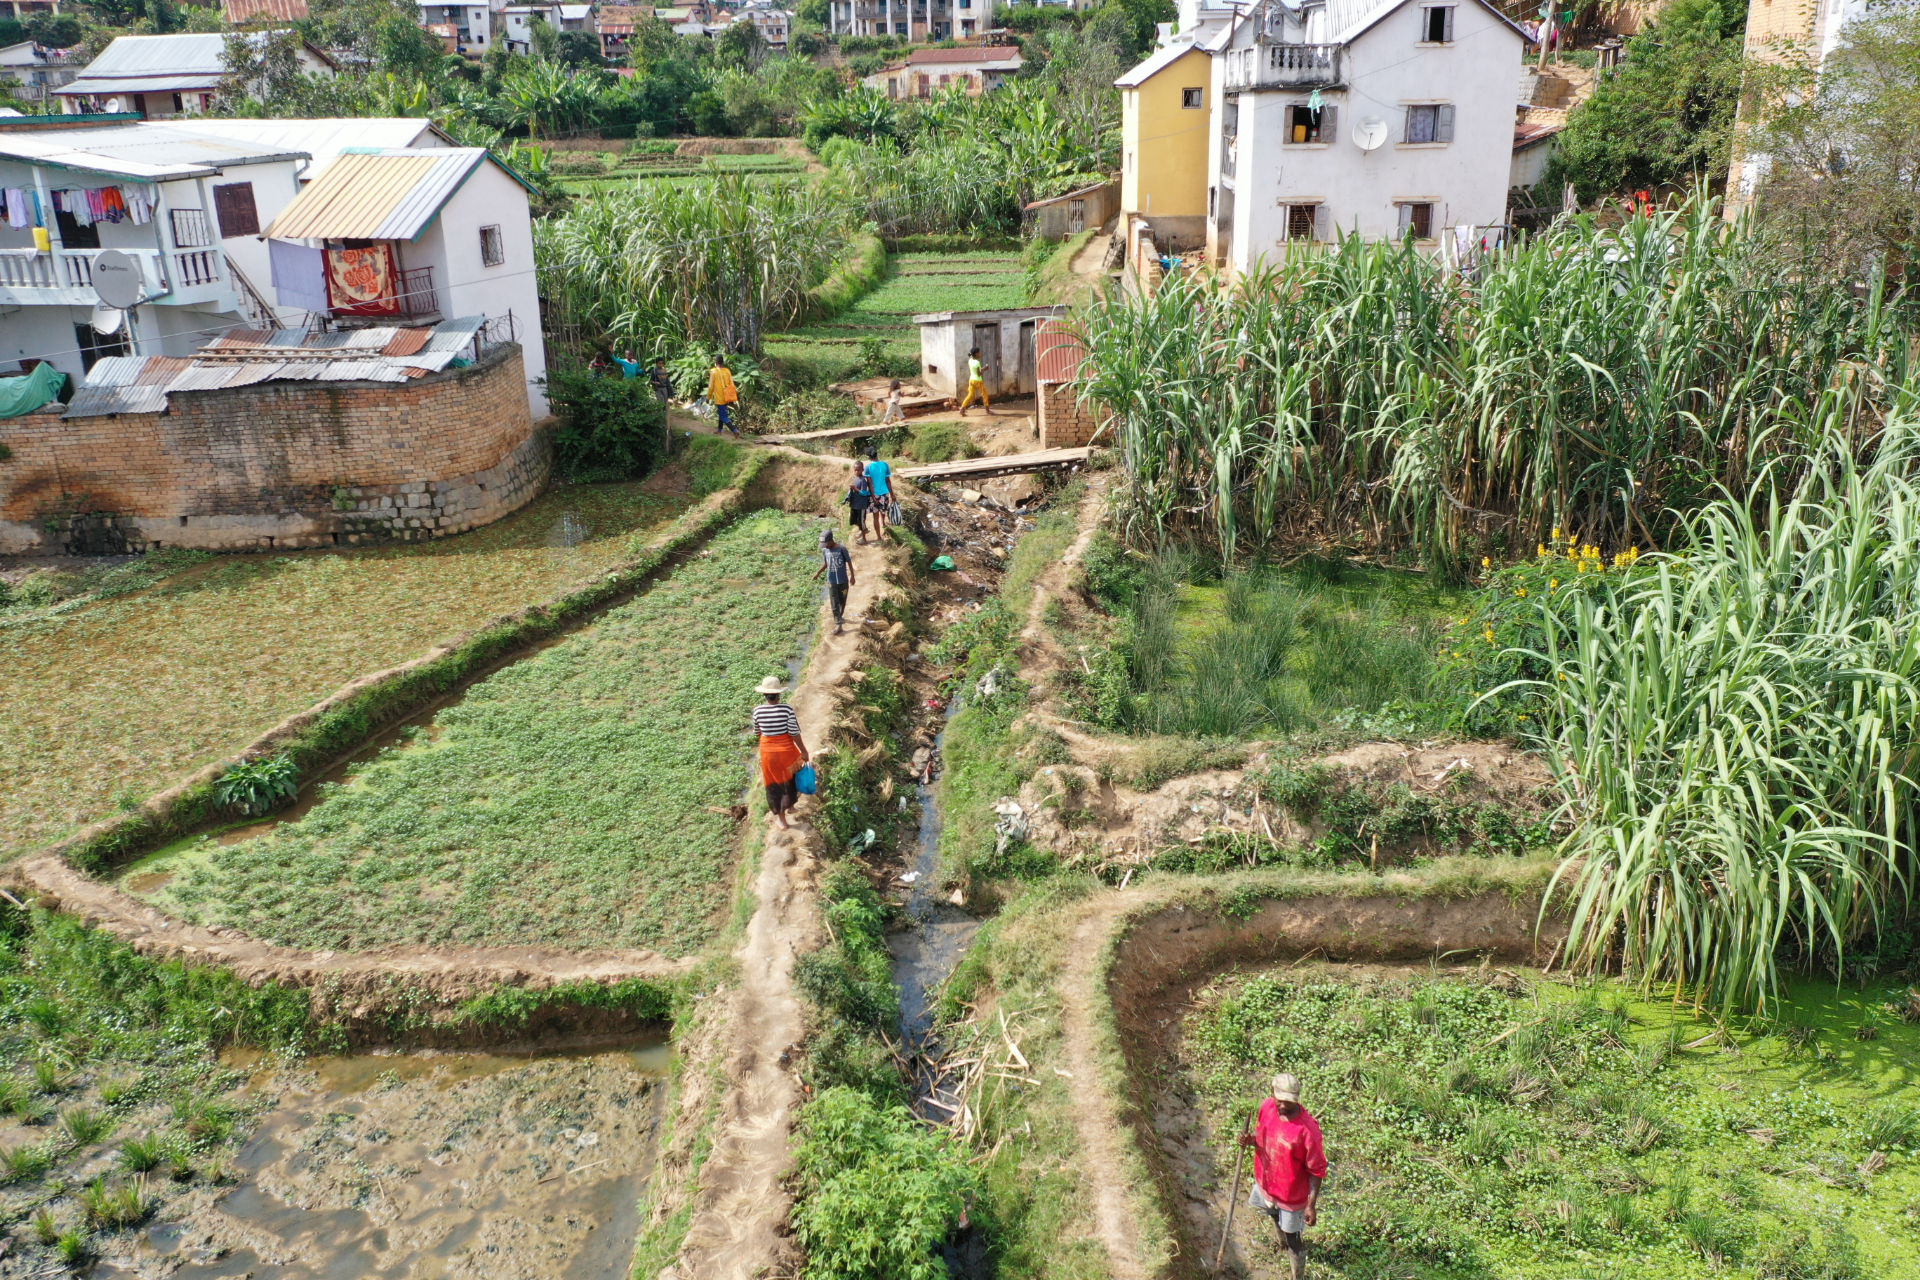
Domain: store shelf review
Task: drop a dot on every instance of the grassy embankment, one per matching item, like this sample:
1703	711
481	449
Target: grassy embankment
106	702
881	323
580	797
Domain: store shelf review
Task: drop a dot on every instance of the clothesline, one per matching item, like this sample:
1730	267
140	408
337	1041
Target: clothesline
86	205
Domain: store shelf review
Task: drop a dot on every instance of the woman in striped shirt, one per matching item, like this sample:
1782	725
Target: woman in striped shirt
781	750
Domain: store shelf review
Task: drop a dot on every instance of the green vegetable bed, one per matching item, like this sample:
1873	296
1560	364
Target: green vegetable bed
918	283
1508	1126
577	798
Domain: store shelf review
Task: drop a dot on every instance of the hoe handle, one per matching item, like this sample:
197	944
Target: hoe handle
1233	1200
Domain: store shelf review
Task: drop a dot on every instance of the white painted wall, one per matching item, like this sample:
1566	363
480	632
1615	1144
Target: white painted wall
466	286
1390	69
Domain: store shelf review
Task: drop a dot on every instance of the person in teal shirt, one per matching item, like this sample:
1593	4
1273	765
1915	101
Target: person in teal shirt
629	367
879	475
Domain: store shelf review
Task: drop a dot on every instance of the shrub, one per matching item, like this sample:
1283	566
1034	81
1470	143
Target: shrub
254	787
615	428
878	1190
941	442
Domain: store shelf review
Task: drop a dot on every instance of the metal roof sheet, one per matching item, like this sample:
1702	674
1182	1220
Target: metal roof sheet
98	402
115	371
138	150
161	55
181	82
324	140
384	195
242	11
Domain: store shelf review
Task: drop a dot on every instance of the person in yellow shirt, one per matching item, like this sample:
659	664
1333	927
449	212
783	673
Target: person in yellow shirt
976	385
722	394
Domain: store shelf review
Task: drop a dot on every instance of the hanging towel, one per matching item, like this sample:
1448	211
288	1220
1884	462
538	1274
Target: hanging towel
299	275
16	207
113	203
139	204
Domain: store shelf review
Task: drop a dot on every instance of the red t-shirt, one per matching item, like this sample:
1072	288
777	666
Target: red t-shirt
1286	1152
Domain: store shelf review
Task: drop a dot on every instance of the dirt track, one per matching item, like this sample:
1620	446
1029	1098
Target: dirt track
740	1208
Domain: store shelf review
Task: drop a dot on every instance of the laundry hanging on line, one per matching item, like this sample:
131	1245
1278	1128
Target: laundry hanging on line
88	205
21	208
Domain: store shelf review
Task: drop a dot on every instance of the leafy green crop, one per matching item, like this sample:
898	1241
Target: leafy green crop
879	1190
257	786
576	798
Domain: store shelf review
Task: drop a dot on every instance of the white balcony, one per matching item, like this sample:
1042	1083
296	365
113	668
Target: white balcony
64	278
1285	66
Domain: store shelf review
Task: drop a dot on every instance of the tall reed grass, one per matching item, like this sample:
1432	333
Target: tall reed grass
1604	378
1737	723
661	265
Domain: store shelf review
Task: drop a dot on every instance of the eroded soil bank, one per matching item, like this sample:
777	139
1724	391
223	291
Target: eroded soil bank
422	1165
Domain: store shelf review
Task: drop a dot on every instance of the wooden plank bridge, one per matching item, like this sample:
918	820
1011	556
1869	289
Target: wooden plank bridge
1009	464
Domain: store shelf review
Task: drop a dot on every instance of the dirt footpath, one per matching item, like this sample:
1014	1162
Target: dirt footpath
740	1207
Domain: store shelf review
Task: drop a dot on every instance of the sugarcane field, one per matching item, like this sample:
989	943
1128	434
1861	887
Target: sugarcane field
1127	640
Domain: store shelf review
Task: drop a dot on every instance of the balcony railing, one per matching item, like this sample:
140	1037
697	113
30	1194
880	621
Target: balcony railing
1285	66
70	271
416	293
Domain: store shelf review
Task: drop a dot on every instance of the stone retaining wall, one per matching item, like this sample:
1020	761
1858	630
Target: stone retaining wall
278	464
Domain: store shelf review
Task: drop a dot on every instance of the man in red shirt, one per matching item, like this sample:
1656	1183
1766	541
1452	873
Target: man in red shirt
1289	1164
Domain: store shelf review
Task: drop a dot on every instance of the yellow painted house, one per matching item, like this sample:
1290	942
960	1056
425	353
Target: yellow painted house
1165	108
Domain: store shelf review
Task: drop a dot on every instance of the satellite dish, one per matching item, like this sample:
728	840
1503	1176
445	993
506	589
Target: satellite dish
1369	132
108	319
111	106
116	278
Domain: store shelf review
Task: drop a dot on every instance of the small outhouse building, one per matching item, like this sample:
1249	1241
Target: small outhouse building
1006	342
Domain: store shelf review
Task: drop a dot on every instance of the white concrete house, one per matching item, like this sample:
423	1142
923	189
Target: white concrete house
472	23
413	237
195	201
160	76
1005	340
1377	118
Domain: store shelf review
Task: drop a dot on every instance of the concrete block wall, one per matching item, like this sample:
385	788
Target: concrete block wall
1064	422
284	464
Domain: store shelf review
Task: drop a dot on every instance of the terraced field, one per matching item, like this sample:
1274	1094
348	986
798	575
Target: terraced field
581	797
110	702
617	170
918	283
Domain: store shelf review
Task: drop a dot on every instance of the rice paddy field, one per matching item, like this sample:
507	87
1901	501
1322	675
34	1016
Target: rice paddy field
580	797
104	704
1508	1125
917	283
586	173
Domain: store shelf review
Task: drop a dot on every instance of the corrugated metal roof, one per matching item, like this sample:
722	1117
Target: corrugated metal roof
97	402
243	11
378	353
326	139
161	55
183	82
385	195
138	150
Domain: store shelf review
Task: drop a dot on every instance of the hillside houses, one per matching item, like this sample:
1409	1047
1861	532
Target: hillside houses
157	77
928	71
325	225
1380	118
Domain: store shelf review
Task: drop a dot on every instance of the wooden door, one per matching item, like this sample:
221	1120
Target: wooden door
987	338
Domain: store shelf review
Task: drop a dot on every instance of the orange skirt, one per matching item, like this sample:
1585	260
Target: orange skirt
779	759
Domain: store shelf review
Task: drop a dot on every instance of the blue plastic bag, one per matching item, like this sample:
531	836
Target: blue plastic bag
807	781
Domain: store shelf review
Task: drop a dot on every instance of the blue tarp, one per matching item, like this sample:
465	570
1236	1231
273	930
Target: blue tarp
20	396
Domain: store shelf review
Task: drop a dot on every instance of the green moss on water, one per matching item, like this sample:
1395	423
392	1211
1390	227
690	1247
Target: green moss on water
1494	1125
577	798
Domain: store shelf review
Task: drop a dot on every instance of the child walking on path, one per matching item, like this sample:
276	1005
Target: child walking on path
976	384
837	564
894	412
859	501
879	475
722	394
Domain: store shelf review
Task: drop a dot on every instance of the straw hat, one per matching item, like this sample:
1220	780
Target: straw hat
772	684
1286	1088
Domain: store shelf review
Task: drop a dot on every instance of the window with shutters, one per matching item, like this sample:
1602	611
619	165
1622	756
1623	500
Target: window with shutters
1309	124
1416	220
1429	123
493	250
233	205
1303	221
1436	25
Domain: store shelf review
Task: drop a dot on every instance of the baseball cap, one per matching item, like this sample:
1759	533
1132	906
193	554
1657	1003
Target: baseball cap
1286	1088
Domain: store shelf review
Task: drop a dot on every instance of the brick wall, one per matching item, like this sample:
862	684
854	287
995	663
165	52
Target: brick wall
1064	422
279	464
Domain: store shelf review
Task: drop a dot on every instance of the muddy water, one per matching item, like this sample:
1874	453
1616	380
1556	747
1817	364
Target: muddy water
426	1166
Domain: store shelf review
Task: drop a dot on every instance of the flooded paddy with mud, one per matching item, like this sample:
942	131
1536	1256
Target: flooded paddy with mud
423	1165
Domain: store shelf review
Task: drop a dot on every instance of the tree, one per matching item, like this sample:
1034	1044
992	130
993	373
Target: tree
1665	116
1841	150
578	49
816	12
741	46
